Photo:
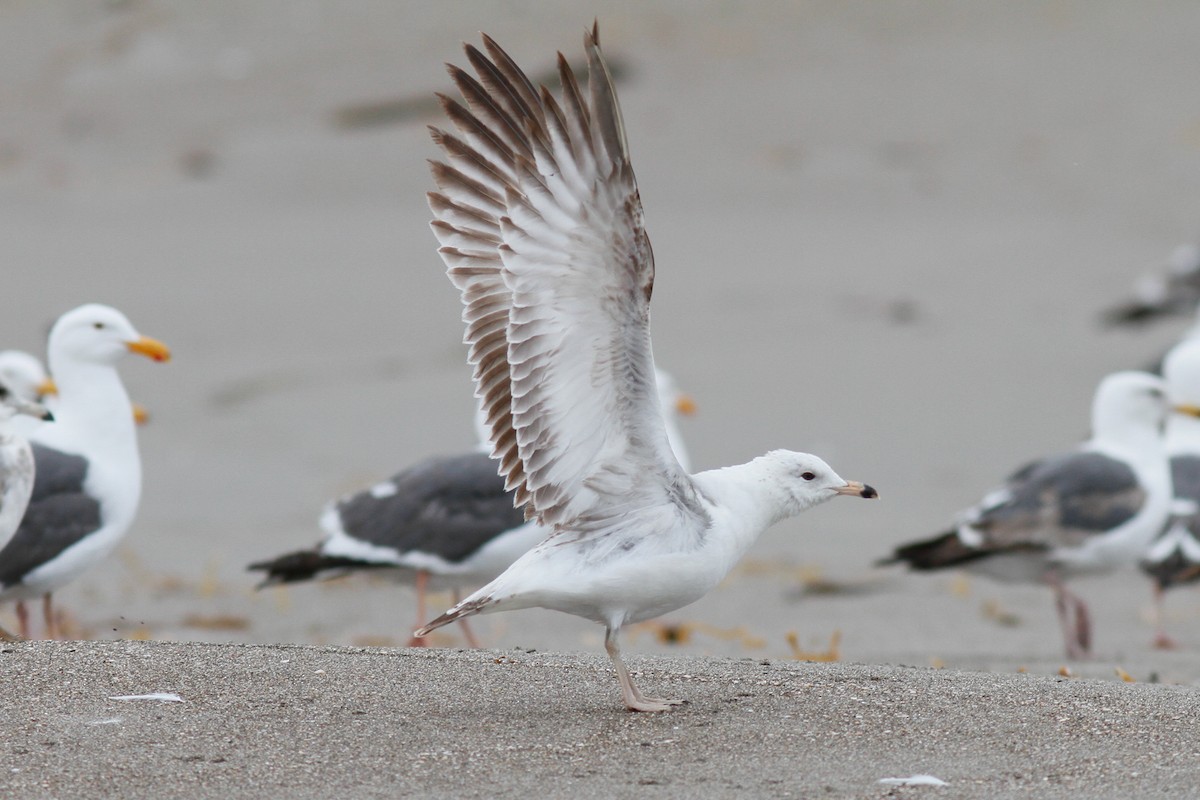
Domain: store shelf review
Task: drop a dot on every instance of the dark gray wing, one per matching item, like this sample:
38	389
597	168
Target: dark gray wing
1061	501
446	506
60	513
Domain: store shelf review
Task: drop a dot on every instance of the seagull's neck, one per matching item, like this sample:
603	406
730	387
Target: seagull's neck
746	500
1140	442
92	406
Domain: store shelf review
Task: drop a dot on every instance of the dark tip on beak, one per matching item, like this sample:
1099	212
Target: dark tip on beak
856	489
47	416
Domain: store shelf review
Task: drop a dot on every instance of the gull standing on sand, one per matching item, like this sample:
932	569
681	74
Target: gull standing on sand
16	463
1088	511
541	228
89	474
446	521
1174	557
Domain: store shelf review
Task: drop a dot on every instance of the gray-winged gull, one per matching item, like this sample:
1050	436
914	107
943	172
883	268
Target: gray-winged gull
1086	511
541	228
89	475
1174	557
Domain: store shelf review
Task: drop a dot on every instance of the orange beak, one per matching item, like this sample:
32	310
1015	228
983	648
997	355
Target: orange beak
685	405
140	415
46	387
150	348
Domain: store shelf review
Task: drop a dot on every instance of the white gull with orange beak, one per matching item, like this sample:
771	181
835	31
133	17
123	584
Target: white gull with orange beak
89	473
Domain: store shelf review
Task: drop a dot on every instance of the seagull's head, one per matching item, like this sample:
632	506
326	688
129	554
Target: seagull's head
13	402
22	373
1129	403
100	334
809	480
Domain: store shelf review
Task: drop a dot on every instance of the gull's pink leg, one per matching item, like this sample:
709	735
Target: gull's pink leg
1073	617
23	619
422	580
1162	639
634	700
1083	625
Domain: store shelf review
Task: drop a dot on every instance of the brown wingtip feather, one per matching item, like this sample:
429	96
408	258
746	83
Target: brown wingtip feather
458	612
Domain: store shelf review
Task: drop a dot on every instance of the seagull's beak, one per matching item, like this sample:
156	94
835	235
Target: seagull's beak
34	409
150	348
857	489
140	415
46	387
685	405
1184	408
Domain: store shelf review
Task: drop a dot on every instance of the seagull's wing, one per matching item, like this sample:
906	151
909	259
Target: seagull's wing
1062	501
448	506
59	515
541	228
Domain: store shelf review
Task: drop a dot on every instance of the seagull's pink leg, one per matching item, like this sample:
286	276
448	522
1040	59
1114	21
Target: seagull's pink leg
1074	618
422	580
23	619
1083	625
1162	639
634	700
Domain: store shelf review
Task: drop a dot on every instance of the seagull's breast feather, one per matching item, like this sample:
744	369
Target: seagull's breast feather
542	231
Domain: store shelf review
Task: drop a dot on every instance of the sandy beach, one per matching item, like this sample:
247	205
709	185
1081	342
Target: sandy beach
259	721
884	234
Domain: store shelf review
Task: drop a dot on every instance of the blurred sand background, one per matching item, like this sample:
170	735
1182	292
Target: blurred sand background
884	233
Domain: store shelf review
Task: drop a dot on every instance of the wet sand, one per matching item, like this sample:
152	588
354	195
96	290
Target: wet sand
883	235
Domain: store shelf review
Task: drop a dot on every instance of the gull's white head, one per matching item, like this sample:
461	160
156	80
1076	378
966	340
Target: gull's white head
23	374
1129	403
13	403
809	481
99	334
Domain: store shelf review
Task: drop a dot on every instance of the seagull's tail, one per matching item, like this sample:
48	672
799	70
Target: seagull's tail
943	550
306	565
472	605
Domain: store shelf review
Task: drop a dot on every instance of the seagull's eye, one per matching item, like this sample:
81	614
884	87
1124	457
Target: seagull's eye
3	393
98	326
808	476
